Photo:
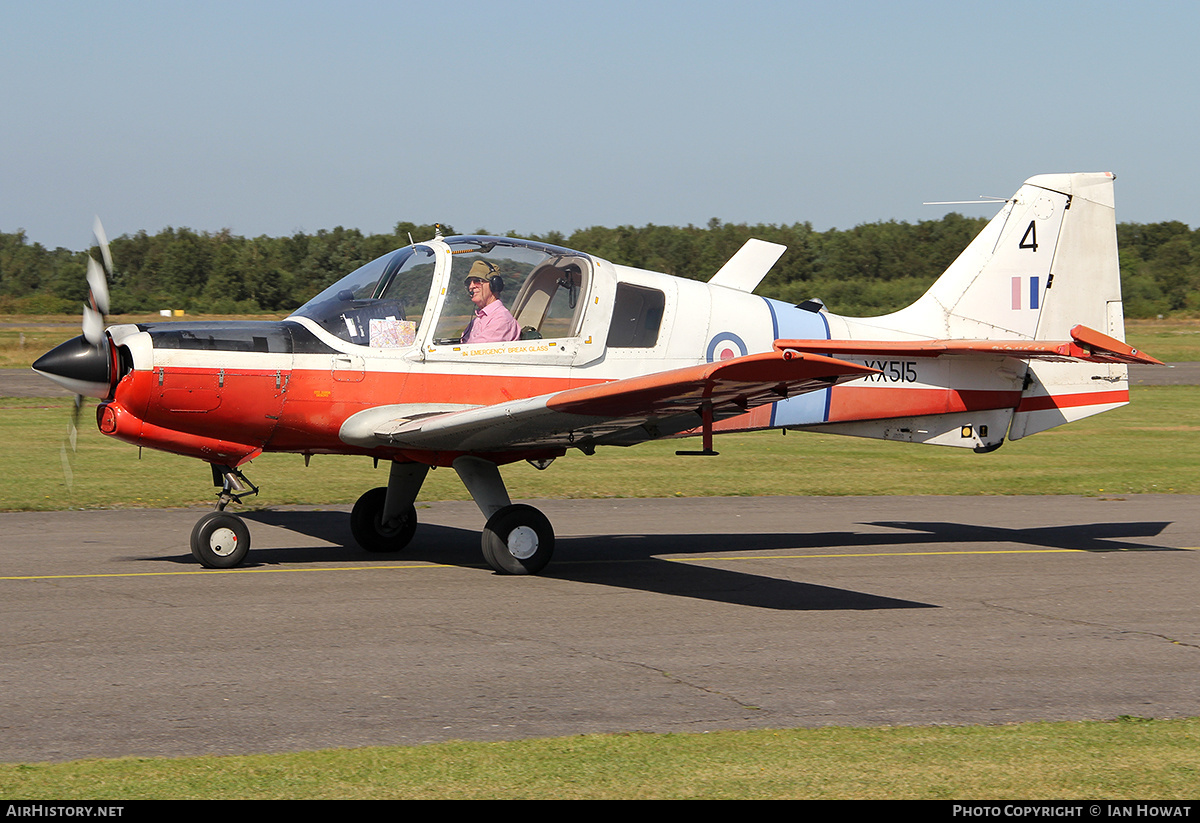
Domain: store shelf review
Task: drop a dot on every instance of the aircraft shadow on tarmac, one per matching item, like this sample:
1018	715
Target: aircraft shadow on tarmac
1088	537
620	561
635	561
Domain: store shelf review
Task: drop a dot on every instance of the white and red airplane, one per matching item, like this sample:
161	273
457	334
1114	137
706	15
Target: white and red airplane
1022	333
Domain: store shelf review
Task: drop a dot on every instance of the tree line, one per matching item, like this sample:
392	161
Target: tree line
871	269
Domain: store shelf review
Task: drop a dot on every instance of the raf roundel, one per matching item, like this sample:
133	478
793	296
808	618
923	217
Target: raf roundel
725	346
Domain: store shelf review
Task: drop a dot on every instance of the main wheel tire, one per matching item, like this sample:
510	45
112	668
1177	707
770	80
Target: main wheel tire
220	541
369	530
518	539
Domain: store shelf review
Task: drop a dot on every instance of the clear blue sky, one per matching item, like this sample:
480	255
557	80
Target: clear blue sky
276	117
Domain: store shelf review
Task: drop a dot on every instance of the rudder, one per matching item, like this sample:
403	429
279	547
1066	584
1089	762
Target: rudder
1084	289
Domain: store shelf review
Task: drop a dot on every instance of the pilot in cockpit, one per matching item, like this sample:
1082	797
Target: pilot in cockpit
492	323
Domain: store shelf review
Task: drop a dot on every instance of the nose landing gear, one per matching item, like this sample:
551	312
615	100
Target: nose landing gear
221	540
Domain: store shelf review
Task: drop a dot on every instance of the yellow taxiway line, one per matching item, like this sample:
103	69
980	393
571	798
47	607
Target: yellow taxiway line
415	566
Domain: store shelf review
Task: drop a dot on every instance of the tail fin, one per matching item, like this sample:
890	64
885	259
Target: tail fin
1045	264
1043	269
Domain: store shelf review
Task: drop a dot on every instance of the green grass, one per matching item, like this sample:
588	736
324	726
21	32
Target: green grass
1148	446
1172	341
1122	759
22	340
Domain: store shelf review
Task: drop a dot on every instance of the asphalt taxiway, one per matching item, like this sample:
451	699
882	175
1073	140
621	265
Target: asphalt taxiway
679	615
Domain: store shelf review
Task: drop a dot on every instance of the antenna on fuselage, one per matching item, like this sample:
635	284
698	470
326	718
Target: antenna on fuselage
984	199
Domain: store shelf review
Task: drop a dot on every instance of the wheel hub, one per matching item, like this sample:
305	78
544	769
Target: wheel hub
522	542
223	542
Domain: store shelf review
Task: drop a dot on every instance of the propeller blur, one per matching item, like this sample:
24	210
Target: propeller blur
82	364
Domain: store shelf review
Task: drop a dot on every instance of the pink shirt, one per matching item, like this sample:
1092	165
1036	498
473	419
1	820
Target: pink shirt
492	324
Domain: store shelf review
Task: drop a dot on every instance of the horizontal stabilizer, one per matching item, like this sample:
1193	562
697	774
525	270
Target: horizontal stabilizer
1085	345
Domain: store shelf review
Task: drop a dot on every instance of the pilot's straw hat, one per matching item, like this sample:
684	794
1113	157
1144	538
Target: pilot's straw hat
480	269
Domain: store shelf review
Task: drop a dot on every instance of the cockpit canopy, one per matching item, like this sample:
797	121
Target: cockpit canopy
394	301
392	291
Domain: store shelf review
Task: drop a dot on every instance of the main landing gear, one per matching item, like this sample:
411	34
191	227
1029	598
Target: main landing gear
385	519
517	539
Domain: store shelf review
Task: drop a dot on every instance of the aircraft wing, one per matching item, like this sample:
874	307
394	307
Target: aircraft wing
620	412
1085	344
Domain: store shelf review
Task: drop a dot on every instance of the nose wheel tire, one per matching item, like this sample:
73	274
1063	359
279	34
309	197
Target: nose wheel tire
518	539
369	530
220	541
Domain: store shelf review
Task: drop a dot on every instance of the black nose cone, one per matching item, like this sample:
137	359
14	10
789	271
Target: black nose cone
78	366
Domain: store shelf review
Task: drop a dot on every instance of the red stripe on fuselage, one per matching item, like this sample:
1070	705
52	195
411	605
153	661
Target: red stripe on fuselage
1066	401
870	403
855	403
863	403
